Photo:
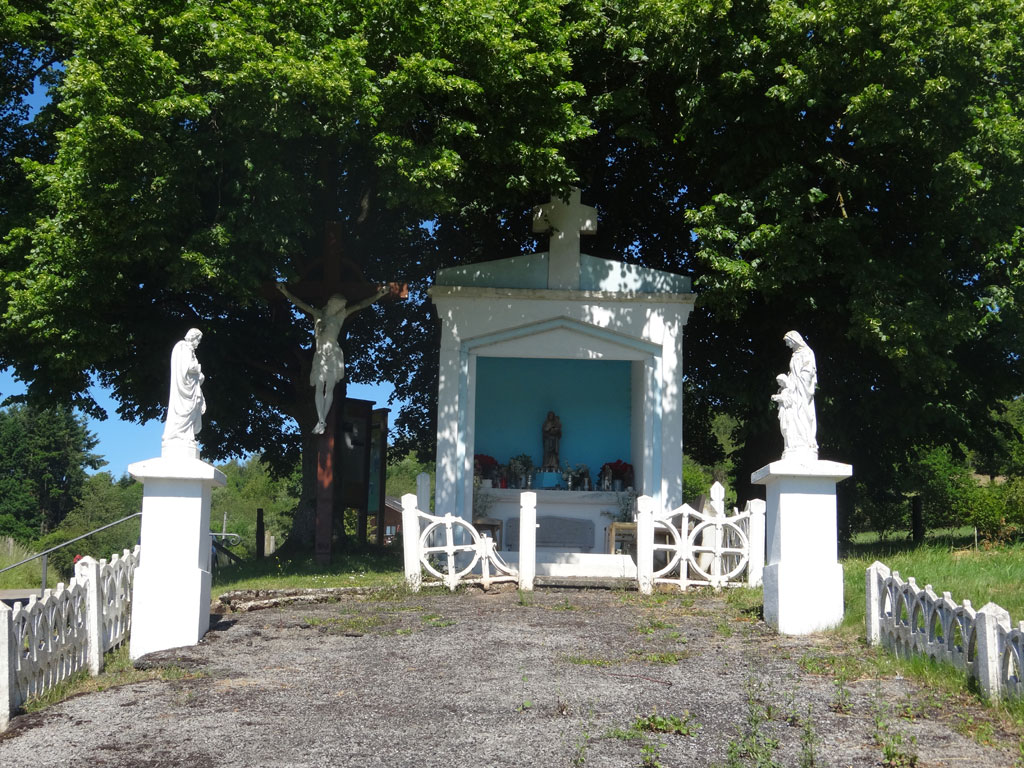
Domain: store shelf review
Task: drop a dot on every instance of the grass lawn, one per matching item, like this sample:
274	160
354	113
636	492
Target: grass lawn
363	567
26	576
994	574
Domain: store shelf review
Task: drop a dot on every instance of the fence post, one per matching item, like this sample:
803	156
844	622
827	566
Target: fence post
411	542
88	570
6	666
755	539
987	623
261	535
876	573
645	545
527	540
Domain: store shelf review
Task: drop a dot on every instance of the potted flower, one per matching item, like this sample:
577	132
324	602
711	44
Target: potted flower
616	475
484	467
576	478
520	468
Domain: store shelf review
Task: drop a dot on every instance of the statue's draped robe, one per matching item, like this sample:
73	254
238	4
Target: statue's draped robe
185	403
803	380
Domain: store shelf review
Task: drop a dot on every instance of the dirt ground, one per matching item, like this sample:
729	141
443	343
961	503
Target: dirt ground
557	678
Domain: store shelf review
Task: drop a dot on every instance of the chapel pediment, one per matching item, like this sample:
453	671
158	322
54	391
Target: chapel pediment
563	266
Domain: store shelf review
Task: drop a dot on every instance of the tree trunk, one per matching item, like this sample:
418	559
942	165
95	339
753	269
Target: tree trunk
917	520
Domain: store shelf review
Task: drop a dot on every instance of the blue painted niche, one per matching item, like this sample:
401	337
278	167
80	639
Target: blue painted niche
591	398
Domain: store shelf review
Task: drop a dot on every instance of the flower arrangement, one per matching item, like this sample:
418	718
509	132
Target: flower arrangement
576	478
484	465
616	470
519	468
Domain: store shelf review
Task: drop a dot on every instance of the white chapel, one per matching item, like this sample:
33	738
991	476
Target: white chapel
598	343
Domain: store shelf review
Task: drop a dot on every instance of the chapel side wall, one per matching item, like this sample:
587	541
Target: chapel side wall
447	423
672	438
636	427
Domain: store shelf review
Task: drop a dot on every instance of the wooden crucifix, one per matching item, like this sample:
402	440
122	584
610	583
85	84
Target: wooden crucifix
339	284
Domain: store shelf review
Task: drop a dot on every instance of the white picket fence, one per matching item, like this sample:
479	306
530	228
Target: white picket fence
909	620
688	548
49	639
682	547
461	549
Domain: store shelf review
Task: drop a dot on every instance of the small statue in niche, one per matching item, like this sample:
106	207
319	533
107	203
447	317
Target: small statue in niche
328	361
551	438
795	399
185	402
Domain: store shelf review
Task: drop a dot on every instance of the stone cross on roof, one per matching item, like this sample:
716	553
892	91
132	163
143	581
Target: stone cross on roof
566	221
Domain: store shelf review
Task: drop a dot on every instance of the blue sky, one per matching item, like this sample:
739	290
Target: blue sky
123	442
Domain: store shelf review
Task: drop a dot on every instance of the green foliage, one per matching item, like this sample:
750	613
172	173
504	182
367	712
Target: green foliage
251	485
24	577
697	479
673	724
401	475
44	454
946	484
204	151
754	744
103	501
848	169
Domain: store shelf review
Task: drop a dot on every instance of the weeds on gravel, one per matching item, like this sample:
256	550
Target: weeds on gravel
650	751
841	698
650	754
589	661
667	657
754	745
525	598
652	625
563	605
436	620
351	623
891	739
583	743
676	725
655	723
809	741
981	732
117	671
746	601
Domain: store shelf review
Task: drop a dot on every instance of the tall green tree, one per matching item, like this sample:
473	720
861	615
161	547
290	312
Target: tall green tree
206	150
848	169
44	455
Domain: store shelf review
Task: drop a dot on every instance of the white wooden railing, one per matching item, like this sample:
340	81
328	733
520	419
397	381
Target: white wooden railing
686	548
49	639
461	555
909	620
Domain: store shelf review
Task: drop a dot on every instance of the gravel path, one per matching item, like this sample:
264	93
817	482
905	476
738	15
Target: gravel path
481	679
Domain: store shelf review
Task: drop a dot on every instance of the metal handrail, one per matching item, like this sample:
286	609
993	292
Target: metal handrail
232	539
46	553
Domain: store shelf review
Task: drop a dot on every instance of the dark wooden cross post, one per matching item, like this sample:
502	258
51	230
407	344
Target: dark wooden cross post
332	276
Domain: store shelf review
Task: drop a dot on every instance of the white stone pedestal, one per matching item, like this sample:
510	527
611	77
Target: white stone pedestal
171	595
803	580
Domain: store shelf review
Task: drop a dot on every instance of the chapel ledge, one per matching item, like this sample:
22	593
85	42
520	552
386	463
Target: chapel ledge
487	292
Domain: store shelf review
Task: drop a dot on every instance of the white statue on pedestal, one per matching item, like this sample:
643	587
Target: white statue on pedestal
185	403
328	360
796	401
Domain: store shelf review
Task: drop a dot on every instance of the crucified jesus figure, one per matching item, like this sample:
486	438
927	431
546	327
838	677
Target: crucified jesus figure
328	360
